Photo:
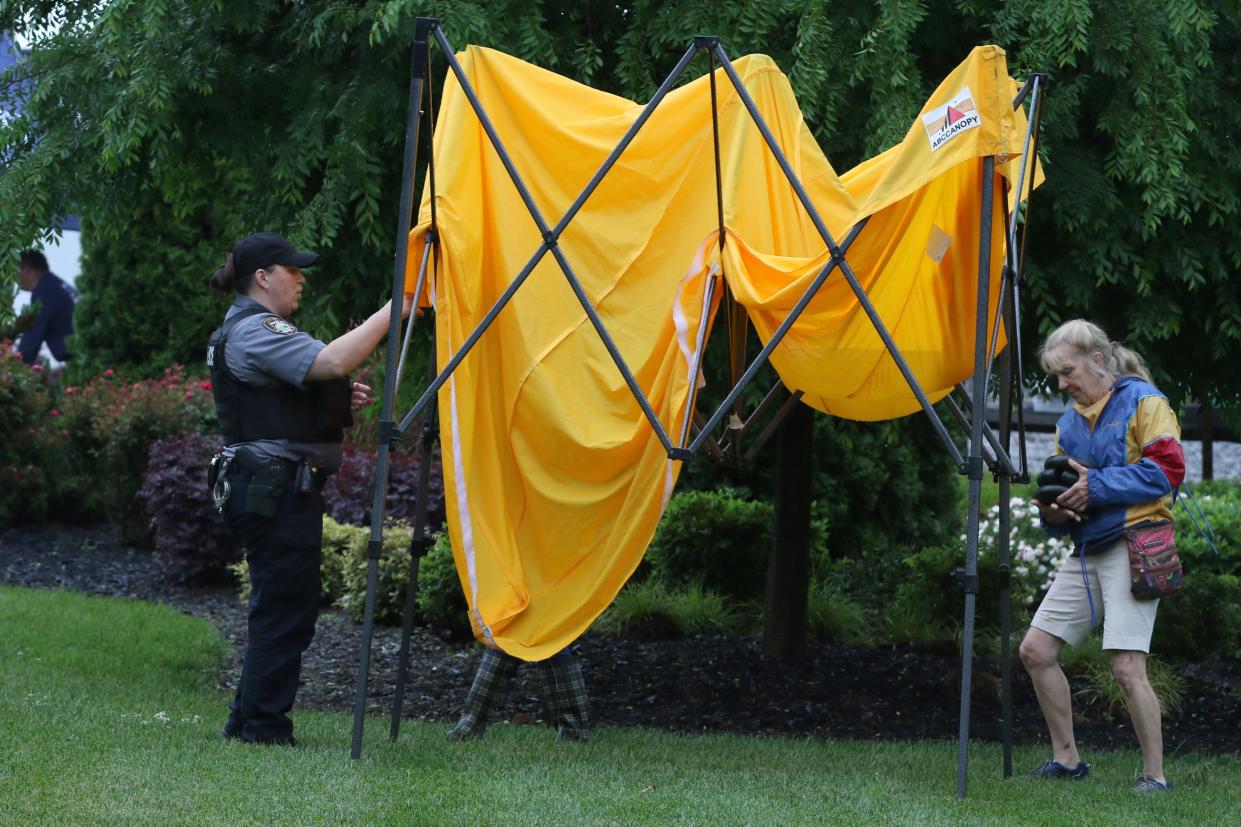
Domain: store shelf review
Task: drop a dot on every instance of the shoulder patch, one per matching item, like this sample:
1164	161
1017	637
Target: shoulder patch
278	325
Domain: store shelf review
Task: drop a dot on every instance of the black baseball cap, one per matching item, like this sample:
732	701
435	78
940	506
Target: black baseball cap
258	251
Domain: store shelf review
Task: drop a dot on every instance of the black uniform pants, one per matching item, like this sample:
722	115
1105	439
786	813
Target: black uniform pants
284	553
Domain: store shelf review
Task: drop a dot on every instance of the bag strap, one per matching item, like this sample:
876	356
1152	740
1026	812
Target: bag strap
1086	581
1209	533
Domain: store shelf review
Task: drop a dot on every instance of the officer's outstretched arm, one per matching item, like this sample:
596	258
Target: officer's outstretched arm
344	353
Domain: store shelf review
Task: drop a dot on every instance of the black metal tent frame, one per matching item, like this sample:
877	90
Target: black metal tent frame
985	450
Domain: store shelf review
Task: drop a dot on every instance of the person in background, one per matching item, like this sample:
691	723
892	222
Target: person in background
283	399
1123	441
55	300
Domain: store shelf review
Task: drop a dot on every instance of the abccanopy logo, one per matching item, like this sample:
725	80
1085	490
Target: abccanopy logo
948	121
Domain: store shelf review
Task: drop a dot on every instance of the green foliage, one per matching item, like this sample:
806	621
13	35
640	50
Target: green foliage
30	430
650	610
926	589
20	323
1142	180
1093	665
715	538
697	610
1204	620
881	490
344	570
889	488
81	453
342	544
393	572
440	599
109	425
137	314
835	617
172	128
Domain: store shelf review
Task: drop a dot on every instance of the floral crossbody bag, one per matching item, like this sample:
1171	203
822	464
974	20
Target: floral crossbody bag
1155	568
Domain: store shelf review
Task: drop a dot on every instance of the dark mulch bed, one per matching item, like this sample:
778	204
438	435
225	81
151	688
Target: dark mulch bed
703	683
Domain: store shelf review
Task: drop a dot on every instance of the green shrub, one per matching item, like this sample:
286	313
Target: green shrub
882	489
441	602
835	617
342	544
140	313
697	610
1221	500
907	624
713	538
927	589
1204	620
929	592
393	574
641	611
1092	666
649	610
111	424
31	431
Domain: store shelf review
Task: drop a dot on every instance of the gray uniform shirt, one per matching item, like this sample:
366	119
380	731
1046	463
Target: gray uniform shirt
265	350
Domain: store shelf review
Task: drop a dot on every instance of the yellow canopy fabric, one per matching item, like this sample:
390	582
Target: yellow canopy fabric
554	479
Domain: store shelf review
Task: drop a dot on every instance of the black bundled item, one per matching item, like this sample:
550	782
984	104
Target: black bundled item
1057	477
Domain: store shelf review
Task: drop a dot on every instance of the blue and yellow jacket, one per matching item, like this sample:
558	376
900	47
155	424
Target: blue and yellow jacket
1130	442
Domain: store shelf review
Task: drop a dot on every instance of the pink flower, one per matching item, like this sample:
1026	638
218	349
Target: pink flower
37	368
109	372
70	391
54	412
205	384
189	394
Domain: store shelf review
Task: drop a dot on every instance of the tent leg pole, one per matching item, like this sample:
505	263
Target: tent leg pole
419	545
1004	476
422	28
974	467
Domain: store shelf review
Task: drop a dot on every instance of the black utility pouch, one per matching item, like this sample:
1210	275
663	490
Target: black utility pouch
268	481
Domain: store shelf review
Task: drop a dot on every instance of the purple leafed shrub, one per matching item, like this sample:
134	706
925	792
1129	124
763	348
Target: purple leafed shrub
184	522
349	491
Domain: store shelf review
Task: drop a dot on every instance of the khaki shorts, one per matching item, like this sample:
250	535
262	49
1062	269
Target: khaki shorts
1065	611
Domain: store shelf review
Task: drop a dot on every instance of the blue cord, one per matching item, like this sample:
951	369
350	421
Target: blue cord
1190	511
1086	581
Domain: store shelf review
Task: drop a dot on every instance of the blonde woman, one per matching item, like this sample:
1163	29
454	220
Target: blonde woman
1123	441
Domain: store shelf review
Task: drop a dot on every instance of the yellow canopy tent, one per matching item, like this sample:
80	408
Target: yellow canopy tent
554	479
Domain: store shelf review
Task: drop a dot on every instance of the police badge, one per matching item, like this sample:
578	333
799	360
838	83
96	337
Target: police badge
278	325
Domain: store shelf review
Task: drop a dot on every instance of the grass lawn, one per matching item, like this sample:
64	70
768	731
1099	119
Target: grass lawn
109	714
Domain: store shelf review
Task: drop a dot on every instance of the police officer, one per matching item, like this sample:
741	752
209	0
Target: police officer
283	399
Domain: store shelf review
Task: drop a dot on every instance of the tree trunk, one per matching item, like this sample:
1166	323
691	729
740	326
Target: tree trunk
788	565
